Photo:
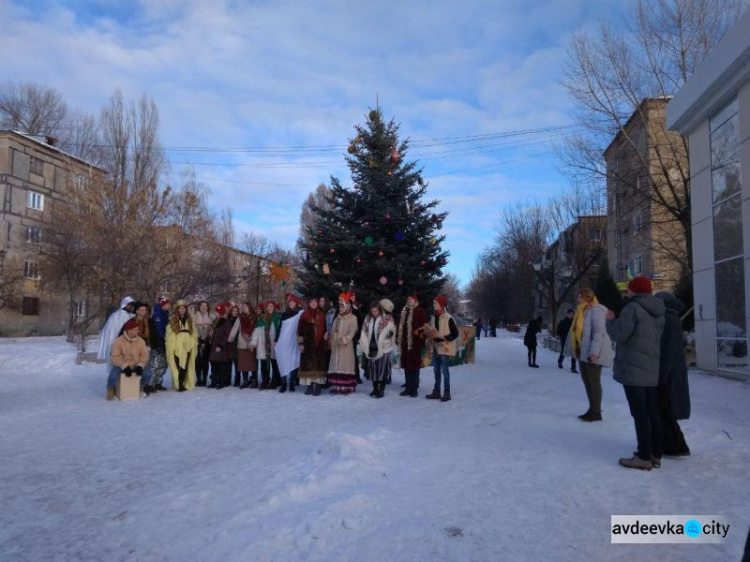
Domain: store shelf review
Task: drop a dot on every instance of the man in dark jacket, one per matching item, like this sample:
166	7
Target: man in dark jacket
674	394
563	328
158	357
529	339
637	333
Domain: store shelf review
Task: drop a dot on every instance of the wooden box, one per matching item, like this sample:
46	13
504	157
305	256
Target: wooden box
128	388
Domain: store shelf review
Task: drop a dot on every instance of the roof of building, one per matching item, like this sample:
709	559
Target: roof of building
716	80
43	142
636	113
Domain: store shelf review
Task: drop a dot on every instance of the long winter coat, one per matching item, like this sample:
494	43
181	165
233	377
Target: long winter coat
673	371
220	341
637	333
310	332
182	346
385	335
341	339
411	340
594	338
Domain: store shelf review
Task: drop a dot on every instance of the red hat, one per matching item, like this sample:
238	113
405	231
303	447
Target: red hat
221	309
441	300
130	324
640	285
346	296
413	296
164	301
291	297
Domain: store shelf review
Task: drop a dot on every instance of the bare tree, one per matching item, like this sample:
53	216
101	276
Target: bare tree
11	278
612	72
452	290
32	109
318	199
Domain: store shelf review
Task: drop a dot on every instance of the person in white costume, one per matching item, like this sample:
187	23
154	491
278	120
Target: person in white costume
112	327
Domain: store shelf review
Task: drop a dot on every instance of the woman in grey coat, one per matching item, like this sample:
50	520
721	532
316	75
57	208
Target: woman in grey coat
589	343
637	333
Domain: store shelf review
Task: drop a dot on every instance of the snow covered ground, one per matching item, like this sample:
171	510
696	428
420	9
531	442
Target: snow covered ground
503	472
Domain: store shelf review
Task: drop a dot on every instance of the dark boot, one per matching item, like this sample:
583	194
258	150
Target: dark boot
446	396
381	390
374	392
309	389
182	375
293	381
254	380
592	417
434	395
236	379
584	415
316	389
282	386
245	381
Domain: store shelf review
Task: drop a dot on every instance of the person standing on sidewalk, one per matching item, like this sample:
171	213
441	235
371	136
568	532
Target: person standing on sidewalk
443	332
637	333
563	329
529	339
588	340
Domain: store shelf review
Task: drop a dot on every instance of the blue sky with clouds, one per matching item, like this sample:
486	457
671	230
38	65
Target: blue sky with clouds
245	75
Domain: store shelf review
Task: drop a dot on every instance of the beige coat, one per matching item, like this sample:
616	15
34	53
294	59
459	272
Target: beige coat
129	352
342	347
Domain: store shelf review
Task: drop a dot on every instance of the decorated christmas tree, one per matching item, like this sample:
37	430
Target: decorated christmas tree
377	238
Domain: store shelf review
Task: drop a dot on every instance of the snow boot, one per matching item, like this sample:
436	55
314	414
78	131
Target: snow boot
405	392
181	376
309	390
282	386
585	415
381	390
160	387
592	417
446	396
636	462
110	394
655	461
293	381
559	365
434	395
316	389
374	392
535	365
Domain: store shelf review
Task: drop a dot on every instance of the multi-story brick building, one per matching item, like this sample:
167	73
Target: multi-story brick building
646	168
33	176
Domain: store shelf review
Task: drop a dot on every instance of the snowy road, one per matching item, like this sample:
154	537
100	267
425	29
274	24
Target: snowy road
505	471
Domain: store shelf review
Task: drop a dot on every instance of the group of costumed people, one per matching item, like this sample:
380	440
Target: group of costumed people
308	344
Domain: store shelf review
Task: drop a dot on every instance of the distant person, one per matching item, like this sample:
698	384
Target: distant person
637	333
411	341
588	340
563	328
112	328
158	355
493	327
529	339
478	325
674	393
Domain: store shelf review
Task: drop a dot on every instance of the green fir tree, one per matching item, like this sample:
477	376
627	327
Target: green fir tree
606	290
378	238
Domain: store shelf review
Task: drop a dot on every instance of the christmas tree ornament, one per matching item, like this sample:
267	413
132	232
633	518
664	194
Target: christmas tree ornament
408	208
371	162
423	262
320	232
420	181
369	240
357	261
388	173
366	223
381	253
399	236
358	139
387	216
433	240
352	149
383	280
326	269
333	250
395	157
317	267
400	281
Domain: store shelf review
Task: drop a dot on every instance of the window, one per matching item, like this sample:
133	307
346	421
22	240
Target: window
595	234
638	265
35	200
31	270
637	222
80	308
33	235
36	166
82	181
30	306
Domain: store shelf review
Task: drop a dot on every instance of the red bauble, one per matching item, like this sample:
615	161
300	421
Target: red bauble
395	157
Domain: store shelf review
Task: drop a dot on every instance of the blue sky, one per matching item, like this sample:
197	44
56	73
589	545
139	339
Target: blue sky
247	75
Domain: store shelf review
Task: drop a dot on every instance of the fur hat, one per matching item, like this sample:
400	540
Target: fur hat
386	305
442	300
163	301
130	324
221	309
640	285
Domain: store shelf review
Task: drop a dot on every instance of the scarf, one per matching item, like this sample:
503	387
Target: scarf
406	323
576	329
143	329
247	324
